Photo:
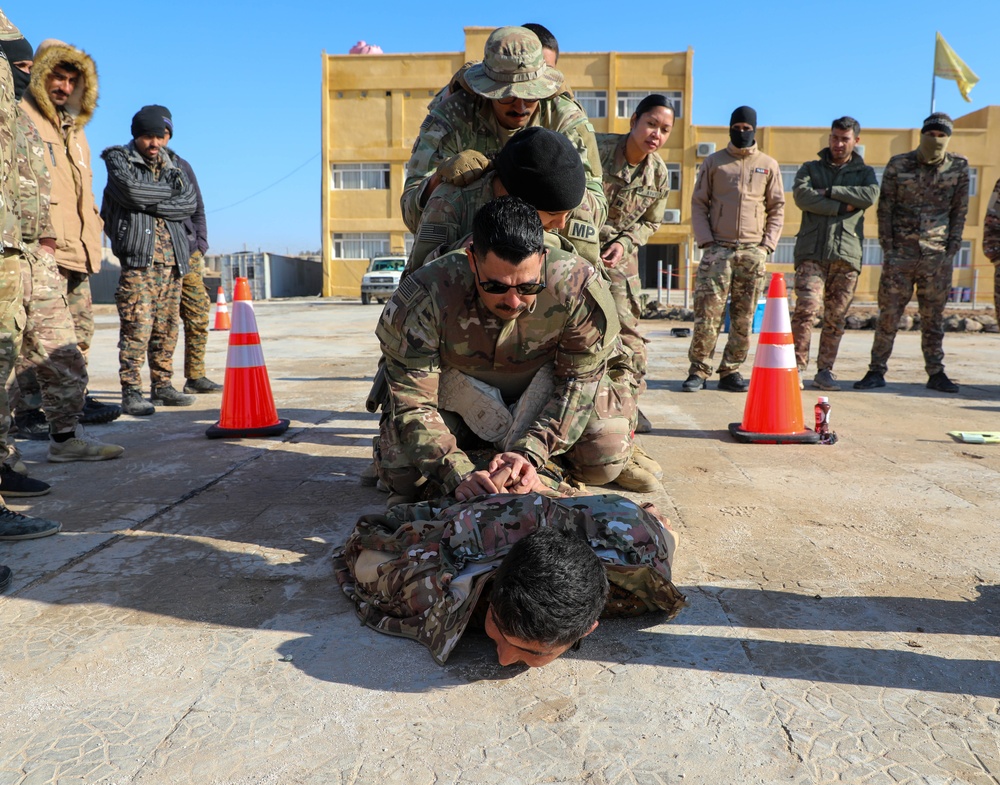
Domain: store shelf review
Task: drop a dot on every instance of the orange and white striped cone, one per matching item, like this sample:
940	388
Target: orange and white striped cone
222	321
773	411
247	402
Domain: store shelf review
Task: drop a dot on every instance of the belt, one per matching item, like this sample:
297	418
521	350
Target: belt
737	246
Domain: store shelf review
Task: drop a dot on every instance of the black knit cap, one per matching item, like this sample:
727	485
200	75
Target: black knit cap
938	121
744	114
543	168
17	50
154	119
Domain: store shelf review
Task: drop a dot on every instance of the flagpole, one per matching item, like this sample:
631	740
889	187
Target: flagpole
934	74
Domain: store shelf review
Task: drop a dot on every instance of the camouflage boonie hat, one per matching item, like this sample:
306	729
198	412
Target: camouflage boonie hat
513	67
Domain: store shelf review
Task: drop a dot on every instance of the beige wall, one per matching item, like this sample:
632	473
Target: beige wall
373	106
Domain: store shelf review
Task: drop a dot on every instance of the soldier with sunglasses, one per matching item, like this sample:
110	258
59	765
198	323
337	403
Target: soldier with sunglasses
508	347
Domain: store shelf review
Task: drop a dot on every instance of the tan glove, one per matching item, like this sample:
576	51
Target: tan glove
464	168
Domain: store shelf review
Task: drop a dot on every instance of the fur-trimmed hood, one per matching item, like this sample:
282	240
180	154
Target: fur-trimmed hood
83	102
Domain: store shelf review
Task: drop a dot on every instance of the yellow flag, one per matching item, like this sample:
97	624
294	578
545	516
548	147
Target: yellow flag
949	65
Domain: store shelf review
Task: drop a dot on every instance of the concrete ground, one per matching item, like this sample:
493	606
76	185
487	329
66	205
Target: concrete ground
186	627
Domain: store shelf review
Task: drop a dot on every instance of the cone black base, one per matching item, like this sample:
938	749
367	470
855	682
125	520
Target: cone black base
750	437
217	432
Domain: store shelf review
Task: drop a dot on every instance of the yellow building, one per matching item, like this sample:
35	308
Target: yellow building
373	105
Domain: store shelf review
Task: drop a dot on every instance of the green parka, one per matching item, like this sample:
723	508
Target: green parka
830	231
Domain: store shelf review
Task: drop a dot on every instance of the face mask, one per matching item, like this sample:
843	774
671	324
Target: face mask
21	82
931	150
741	139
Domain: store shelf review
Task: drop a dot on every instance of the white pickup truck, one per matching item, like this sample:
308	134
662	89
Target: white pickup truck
382	278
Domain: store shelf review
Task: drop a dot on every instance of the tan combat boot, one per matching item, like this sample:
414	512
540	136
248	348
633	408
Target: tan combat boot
635	478
646	461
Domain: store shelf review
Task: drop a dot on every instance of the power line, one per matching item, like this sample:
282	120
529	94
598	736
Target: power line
265	188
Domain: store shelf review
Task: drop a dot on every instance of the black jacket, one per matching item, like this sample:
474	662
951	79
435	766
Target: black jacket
134	199
195	226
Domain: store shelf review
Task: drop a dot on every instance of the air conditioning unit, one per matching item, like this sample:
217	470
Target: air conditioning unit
671	216
704	149
860	150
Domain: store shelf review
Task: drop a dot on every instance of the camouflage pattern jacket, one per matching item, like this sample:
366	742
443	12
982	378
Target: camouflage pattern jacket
10	225
446	223
74	210
35	183
465	121
419	570
991	227
435	320
830	232
637	196
922	207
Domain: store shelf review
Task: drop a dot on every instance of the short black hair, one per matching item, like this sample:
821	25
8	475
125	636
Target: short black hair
846	123
650	102
545	36
510	228
549	589
65	65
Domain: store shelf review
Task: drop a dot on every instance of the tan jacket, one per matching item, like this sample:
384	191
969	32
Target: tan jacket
73	211
738	198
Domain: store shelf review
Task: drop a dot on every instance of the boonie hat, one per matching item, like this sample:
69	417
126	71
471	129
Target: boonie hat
513	67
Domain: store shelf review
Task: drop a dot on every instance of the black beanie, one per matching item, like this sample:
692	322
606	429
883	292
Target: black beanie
17	50
543	168
152	119
938	121
744	114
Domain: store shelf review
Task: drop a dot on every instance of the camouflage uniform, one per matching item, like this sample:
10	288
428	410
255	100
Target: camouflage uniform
446	223
466	122
435	321
828	250
434	561
637	197
991	242
11	304
149	290
921	215
49	342
195	308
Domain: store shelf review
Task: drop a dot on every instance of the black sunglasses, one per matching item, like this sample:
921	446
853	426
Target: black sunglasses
495	287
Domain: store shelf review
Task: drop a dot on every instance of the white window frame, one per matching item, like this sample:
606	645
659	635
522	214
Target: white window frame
788	172
360	245
973	180
963	258
407	243
628	100
879	171
674	176
596	100
871	253
785	252
361	176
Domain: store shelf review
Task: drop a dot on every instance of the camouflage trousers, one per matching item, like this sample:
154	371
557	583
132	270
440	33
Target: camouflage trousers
930	276
827	288
49	346
194	311
81	309
148	300
996	290
737	273
625	289
597	457
11	327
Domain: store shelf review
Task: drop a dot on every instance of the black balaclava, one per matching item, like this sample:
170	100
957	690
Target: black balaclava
17	50
743	139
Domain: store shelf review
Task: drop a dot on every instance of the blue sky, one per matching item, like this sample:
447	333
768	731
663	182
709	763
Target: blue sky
243	80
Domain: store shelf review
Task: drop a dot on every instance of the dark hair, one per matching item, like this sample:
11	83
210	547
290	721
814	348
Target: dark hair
846	123
545	36
68	66
549	589
510	228
650	102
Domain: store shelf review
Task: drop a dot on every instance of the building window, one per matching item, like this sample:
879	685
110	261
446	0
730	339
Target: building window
360	245
871	253
785	252
359	177
964	256
674	177
407	243
594	102
973	180
788	177
879	171
628	100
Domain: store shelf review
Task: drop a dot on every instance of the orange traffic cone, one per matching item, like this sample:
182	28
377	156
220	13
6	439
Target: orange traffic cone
773	412
222	321
247	402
